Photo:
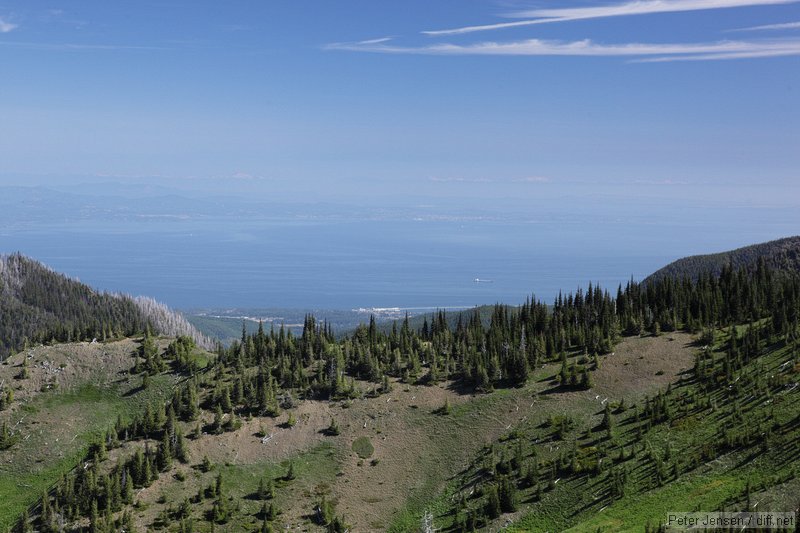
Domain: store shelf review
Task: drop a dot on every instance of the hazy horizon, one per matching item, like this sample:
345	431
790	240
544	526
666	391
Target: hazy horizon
205	249
388	155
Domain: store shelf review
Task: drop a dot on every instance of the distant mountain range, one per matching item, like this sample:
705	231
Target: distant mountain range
780	255
38	305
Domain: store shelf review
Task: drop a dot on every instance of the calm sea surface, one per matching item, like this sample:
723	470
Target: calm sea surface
336	265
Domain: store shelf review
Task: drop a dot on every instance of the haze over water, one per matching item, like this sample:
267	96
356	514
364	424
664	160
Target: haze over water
252	247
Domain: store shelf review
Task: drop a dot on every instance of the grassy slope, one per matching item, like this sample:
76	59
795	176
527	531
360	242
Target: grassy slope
717	484
583	503
484	419
314	470
55	427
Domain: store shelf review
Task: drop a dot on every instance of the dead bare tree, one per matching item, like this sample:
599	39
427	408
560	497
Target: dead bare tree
427	523
169	322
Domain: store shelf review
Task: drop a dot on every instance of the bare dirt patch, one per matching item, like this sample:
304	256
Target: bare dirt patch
65	366
416	449
644	365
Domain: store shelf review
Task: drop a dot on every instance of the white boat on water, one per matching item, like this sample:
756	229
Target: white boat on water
479	280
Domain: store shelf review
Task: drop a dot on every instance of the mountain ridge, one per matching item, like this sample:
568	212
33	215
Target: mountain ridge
780	255
38	304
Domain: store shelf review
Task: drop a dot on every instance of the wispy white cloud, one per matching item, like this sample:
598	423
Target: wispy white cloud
537	47
376	41
639	52
754	54
644	7
6	26
767	27
635	7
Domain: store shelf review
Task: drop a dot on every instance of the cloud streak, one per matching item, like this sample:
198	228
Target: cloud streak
768	27
6	26
376	41
635	7
587	48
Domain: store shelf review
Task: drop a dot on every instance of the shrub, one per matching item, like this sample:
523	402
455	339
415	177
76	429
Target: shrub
363	447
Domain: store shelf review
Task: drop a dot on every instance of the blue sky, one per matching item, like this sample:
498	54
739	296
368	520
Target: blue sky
525	100
371	153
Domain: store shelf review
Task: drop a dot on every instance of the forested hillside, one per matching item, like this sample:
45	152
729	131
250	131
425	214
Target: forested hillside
596	402
779	255
265	383
38	305
723	437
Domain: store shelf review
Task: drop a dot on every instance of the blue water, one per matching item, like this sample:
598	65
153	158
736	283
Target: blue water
342	260
336	265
